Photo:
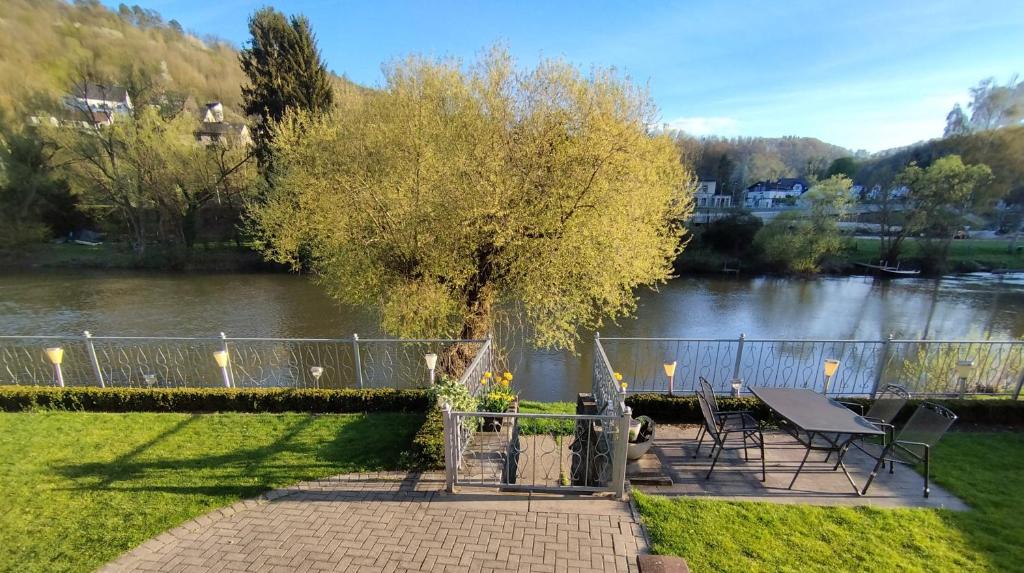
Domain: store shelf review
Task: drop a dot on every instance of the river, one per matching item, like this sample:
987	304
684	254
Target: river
278	305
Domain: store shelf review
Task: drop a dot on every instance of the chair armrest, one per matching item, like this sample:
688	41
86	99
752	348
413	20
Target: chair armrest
736	413
852	405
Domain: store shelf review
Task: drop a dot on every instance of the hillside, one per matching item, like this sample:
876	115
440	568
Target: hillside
47	44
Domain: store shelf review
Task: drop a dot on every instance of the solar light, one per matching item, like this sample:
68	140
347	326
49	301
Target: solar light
221	356
317	372
737	385
431	360
56	356
831	365
670	371
964	370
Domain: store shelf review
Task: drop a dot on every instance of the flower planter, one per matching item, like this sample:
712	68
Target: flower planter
494	423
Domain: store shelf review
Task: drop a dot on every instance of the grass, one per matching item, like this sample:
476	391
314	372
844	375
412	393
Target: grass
988	253
986	470
532	426
81	488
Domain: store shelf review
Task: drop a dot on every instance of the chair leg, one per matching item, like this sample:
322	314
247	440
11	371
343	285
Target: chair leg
700	439
764	472
746	455
927	469
715	460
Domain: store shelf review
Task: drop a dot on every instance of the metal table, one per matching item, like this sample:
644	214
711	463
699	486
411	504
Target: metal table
812	416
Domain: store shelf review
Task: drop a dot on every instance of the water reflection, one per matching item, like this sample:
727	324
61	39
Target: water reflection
142	304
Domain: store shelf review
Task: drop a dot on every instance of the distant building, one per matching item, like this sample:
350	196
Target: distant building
99	104
213	129
707	197
769	194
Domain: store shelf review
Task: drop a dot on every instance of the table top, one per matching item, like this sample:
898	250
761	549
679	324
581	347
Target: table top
813	412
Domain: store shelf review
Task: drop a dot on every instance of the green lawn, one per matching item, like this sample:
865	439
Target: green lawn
987	252
985	469
78	488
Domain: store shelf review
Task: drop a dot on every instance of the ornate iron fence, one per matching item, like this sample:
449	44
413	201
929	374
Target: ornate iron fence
252	362
925	367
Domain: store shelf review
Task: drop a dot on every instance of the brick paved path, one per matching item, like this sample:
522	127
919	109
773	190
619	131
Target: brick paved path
397	522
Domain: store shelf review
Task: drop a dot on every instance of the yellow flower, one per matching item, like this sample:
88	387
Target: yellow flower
504	383
487	374
618	377
483	380
624	386
508	376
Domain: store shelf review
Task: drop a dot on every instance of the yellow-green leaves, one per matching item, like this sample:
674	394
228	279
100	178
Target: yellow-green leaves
457	191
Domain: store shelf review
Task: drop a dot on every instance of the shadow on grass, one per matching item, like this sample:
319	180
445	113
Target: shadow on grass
361	443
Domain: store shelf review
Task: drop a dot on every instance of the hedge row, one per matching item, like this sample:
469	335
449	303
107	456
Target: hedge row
197	400
427	449
685	410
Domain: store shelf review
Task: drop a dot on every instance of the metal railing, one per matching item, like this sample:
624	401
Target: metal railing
535	452
925	367
167	362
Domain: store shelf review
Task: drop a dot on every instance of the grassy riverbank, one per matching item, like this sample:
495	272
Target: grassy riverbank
983	469
223	257
81	488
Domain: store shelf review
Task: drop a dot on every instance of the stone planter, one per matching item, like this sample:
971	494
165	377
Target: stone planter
494	423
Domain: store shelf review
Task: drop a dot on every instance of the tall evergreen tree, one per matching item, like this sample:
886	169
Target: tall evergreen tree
285	72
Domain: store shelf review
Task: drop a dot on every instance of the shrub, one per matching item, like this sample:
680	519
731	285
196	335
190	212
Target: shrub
427	449
448	389
252	400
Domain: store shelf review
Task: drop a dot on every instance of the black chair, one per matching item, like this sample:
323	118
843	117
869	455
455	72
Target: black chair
887	405
709	394
914	443
724	429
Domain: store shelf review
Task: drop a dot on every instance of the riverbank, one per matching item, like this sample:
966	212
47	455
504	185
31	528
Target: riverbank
965	256
213	257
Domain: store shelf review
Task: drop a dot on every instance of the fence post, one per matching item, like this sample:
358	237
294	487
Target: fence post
230	368
1020	383
449	447
359	364
882	362
621	450
739	356
91	349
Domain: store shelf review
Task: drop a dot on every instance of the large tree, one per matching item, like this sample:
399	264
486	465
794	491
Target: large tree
800	241
285	73
455	194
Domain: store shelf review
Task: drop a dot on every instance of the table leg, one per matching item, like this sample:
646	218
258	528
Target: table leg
810	442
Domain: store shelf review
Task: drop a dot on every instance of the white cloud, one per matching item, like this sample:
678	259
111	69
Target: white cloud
704	125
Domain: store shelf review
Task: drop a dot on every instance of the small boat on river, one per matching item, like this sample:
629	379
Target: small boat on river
886	269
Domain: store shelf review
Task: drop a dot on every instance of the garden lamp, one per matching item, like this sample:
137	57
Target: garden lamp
737	385
221	356
964	369
56	356
149	379
431	360
317	372
670	371
831	365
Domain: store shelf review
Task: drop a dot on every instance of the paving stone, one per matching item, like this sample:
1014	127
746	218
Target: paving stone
397	522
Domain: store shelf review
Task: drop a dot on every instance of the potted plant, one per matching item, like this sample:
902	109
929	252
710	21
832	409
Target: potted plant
448	390
498	397
641	437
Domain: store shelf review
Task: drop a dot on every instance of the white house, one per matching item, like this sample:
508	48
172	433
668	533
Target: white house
706	196
769	194
212	127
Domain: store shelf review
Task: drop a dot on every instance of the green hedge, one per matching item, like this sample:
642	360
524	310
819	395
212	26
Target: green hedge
195	400
685	410
427	449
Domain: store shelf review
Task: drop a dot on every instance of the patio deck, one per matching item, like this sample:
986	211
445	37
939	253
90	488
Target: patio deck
737	480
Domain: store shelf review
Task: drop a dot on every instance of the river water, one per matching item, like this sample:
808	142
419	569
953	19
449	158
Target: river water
278	305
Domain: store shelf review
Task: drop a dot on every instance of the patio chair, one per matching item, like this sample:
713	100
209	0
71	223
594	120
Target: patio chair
914	443
724	429
887	405
709	394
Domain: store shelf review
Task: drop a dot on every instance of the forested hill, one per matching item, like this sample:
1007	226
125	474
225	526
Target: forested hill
48	44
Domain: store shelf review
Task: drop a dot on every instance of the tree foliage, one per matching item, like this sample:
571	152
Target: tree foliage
799	242
454	195
285	72
148	164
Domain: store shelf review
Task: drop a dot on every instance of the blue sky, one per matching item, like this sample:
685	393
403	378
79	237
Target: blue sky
865	75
